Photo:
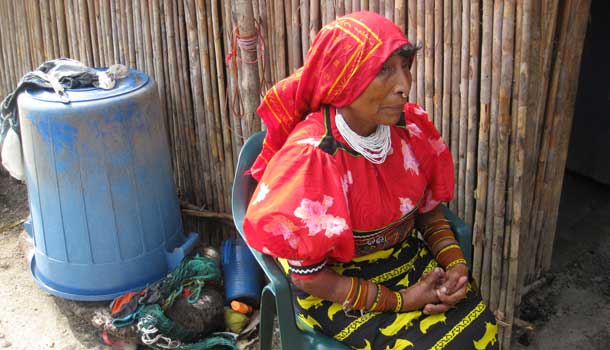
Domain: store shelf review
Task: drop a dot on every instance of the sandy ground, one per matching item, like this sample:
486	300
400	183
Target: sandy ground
30	318
571	311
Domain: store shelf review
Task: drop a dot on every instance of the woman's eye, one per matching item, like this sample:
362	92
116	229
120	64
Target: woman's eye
384	70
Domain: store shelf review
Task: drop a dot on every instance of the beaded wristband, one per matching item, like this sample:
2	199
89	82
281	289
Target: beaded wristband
398	302
348	304
455	262
377	298
449	255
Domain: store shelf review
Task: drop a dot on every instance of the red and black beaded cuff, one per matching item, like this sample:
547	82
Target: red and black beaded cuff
305	270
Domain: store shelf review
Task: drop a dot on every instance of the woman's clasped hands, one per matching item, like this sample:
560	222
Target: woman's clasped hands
437	291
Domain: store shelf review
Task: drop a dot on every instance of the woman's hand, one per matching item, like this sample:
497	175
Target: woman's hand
424	292
451	291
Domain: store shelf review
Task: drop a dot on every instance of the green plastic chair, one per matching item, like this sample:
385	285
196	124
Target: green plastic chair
276	297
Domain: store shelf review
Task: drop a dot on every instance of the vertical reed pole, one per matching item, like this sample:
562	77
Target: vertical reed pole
399	14
566	97
146	39
95	47
421	21
329	8
447	54
483	146
531	154
53	28
131	45
374	5
490	238
473	111
389	9
280	34
295	41
314	19
339	7
114	38
455	91
35	32
61	28
412	36
522	115
463	115
508	214
438	64
47	35
548	26
290	29
222	112
502	156
197	90
429	49
223	161
305	18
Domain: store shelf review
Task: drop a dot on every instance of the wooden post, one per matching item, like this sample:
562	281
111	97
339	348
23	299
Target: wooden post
250	82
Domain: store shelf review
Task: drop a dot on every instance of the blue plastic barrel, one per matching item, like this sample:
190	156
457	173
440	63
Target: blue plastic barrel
242	274
105	216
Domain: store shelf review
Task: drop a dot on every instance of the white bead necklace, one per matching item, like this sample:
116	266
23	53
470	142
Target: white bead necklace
374	147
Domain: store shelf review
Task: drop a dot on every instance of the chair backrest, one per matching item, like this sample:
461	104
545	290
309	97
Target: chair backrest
243	187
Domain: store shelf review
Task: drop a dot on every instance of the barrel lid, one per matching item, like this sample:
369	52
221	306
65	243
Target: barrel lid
133	81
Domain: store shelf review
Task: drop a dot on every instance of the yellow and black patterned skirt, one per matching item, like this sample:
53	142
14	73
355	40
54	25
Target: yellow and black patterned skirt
470	325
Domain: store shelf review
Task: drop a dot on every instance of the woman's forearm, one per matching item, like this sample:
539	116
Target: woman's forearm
439	237
331	286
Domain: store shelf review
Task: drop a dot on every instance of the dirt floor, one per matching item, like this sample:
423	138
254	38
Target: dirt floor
570	311
29	317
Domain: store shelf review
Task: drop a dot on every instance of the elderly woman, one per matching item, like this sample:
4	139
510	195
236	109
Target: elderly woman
350	181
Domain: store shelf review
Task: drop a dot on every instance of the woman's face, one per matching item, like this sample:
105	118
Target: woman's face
383	100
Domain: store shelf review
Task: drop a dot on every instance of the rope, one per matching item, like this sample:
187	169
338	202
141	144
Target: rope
193	274
249	43
159	332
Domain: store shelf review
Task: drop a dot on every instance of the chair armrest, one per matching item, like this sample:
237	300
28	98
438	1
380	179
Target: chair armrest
463	233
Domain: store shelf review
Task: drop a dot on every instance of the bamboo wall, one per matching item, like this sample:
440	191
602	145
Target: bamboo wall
497	77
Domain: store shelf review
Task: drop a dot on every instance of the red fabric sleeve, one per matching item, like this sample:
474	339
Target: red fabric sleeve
298	210
433	156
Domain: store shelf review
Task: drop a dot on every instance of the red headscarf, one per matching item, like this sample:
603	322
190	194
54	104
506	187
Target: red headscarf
343	59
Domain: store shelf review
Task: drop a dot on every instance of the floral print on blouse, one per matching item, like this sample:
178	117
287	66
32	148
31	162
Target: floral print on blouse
318	198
